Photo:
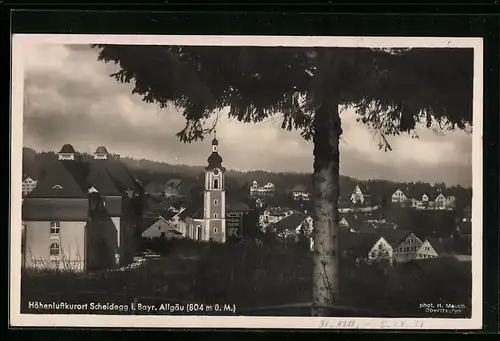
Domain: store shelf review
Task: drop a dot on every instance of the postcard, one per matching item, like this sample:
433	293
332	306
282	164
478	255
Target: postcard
246	182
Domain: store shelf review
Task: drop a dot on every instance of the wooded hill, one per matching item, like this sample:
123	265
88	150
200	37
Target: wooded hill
238	182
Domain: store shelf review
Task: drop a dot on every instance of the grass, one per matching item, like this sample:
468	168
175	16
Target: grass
252	276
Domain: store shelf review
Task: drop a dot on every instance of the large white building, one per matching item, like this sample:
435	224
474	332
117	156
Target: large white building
260	191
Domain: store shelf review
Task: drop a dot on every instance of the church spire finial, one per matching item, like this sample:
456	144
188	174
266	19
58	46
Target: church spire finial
215	142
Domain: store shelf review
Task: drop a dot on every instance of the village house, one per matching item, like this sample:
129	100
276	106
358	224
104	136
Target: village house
389	245
85	213
261	191
299	192
28	185
292	227
361	196
433	201
272	215
163	227
399	197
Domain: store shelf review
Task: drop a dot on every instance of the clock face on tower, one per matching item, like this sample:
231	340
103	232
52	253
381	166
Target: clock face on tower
216	171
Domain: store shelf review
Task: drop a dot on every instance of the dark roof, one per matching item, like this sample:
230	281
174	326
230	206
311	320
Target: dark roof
357	244
237	206
214	161
62	209
215	142
364	187
108	177
101	150
147	222
120	172
290	222
58	174
101	180
194	212
167	215
394	237
67	148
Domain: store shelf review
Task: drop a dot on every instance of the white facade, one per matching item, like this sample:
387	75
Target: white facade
398	197
28	185
357	196
426	251
266	190
300	195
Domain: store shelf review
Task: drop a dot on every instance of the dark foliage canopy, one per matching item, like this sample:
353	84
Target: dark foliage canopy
391	90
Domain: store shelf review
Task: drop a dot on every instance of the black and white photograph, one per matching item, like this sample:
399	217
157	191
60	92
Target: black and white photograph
246	182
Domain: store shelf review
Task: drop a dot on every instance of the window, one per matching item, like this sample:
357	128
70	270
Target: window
57	187
215	215
54	249
55	228
216	202
216	183
215	229
162	235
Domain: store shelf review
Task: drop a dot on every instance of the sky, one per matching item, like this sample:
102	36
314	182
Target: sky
69	97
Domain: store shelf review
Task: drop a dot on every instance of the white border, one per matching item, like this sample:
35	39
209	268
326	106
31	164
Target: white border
19	41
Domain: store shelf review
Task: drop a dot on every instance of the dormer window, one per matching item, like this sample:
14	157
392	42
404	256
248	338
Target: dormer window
57	187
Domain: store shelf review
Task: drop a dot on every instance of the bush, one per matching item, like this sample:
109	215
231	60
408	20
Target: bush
249	276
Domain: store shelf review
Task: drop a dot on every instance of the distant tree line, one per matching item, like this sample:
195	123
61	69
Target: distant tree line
238	182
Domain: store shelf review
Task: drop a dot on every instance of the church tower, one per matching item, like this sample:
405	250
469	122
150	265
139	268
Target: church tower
214	198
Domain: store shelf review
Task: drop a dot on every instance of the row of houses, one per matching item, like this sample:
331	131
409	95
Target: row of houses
387	243
361	195
426	201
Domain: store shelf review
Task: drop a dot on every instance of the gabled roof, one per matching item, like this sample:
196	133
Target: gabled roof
194	212
364	187
120	172
437	245
101	180
290	222
108	177
167	215
395	237
57	174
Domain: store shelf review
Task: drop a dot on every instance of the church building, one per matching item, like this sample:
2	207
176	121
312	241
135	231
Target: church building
209	225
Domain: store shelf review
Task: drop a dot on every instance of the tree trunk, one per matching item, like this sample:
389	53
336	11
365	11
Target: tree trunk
325	206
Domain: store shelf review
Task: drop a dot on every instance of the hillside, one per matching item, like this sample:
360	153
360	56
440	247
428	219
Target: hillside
238	182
